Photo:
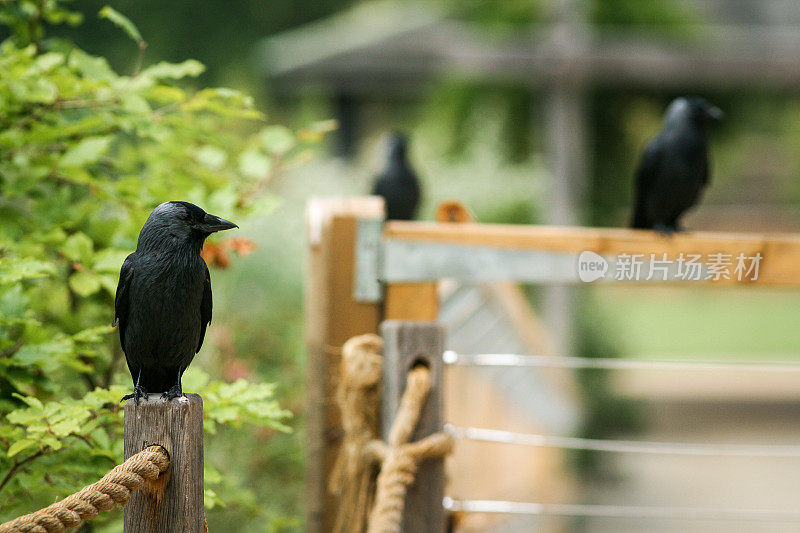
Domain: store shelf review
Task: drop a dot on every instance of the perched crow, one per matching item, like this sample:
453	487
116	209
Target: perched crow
674	168
163	301
398	183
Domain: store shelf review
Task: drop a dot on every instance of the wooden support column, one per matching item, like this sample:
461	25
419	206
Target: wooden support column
411	301
174	502
405	345
568	155
332	317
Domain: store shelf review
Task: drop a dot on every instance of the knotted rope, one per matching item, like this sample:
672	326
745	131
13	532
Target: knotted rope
353	478
358	397
399	458
115	487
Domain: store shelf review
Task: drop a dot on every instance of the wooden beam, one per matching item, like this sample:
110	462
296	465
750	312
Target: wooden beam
332	317
576	239
780	253
174	501
715	57
411	301
405	345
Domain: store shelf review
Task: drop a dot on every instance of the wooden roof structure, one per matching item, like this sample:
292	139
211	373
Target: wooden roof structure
394	47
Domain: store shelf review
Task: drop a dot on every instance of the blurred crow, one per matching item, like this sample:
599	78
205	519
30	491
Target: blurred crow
674	168
163	301
398	183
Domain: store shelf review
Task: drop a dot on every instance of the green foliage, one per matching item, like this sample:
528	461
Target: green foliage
85	154
669	16
236	403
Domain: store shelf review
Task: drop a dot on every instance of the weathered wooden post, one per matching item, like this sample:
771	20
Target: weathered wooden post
406	345
174	502
333	315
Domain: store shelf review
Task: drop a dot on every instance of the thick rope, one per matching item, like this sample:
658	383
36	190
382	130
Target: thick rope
115	487
358	396
400	459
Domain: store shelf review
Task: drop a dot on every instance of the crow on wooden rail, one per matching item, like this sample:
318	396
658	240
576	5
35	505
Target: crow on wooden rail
674	169
163	301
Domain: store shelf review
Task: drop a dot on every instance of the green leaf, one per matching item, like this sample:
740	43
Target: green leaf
224	102
47	355
66	427
175	71
195	379
121	21
84	283
24	417
102	397
226	414
133	103
95	334
277	139
109	260
48	61
109	283
254	164
52	236
92	68
14	270
20	445
211	157
30	400
52	442
88	150
37	90
166	94
78	247
211	500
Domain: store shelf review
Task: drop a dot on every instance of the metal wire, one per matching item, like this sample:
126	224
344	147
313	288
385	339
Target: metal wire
547	361
619	511
628	446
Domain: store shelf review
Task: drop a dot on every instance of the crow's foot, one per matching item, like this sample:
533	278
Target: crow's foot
174	392
138	392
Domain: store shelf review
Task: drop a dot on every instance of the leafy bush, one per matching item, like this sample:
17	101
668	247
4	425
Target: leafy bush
85	154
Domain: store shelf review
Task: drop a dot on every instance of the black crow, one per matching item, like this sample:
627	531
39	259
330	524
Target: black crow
163	301
398	183
674	168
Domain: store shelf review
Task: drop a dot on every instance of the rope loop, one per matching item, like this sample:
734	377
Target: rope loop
114	488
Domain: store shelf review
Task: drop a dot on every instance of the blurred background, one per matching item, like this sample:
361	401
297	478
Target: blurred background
528	111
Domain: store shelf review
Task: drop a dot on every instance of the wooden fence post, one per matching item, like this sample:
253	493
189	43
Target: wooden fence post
405	345
332	316
174	502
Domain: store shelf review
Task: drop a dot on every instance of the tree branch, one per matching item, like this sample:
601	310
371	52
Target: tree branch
8	352
15	468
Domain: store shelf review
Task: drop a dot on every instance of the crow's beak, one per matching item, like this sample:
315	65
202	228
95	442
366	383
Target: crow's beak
213	223
715	113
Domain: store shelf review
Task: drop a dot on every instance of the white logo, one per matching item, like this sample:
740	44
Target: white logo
591	266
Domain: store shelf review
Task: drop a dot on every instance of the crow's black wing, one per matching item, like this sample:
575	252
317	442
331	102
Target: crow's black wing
122	298
205	309
645	176
705	171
